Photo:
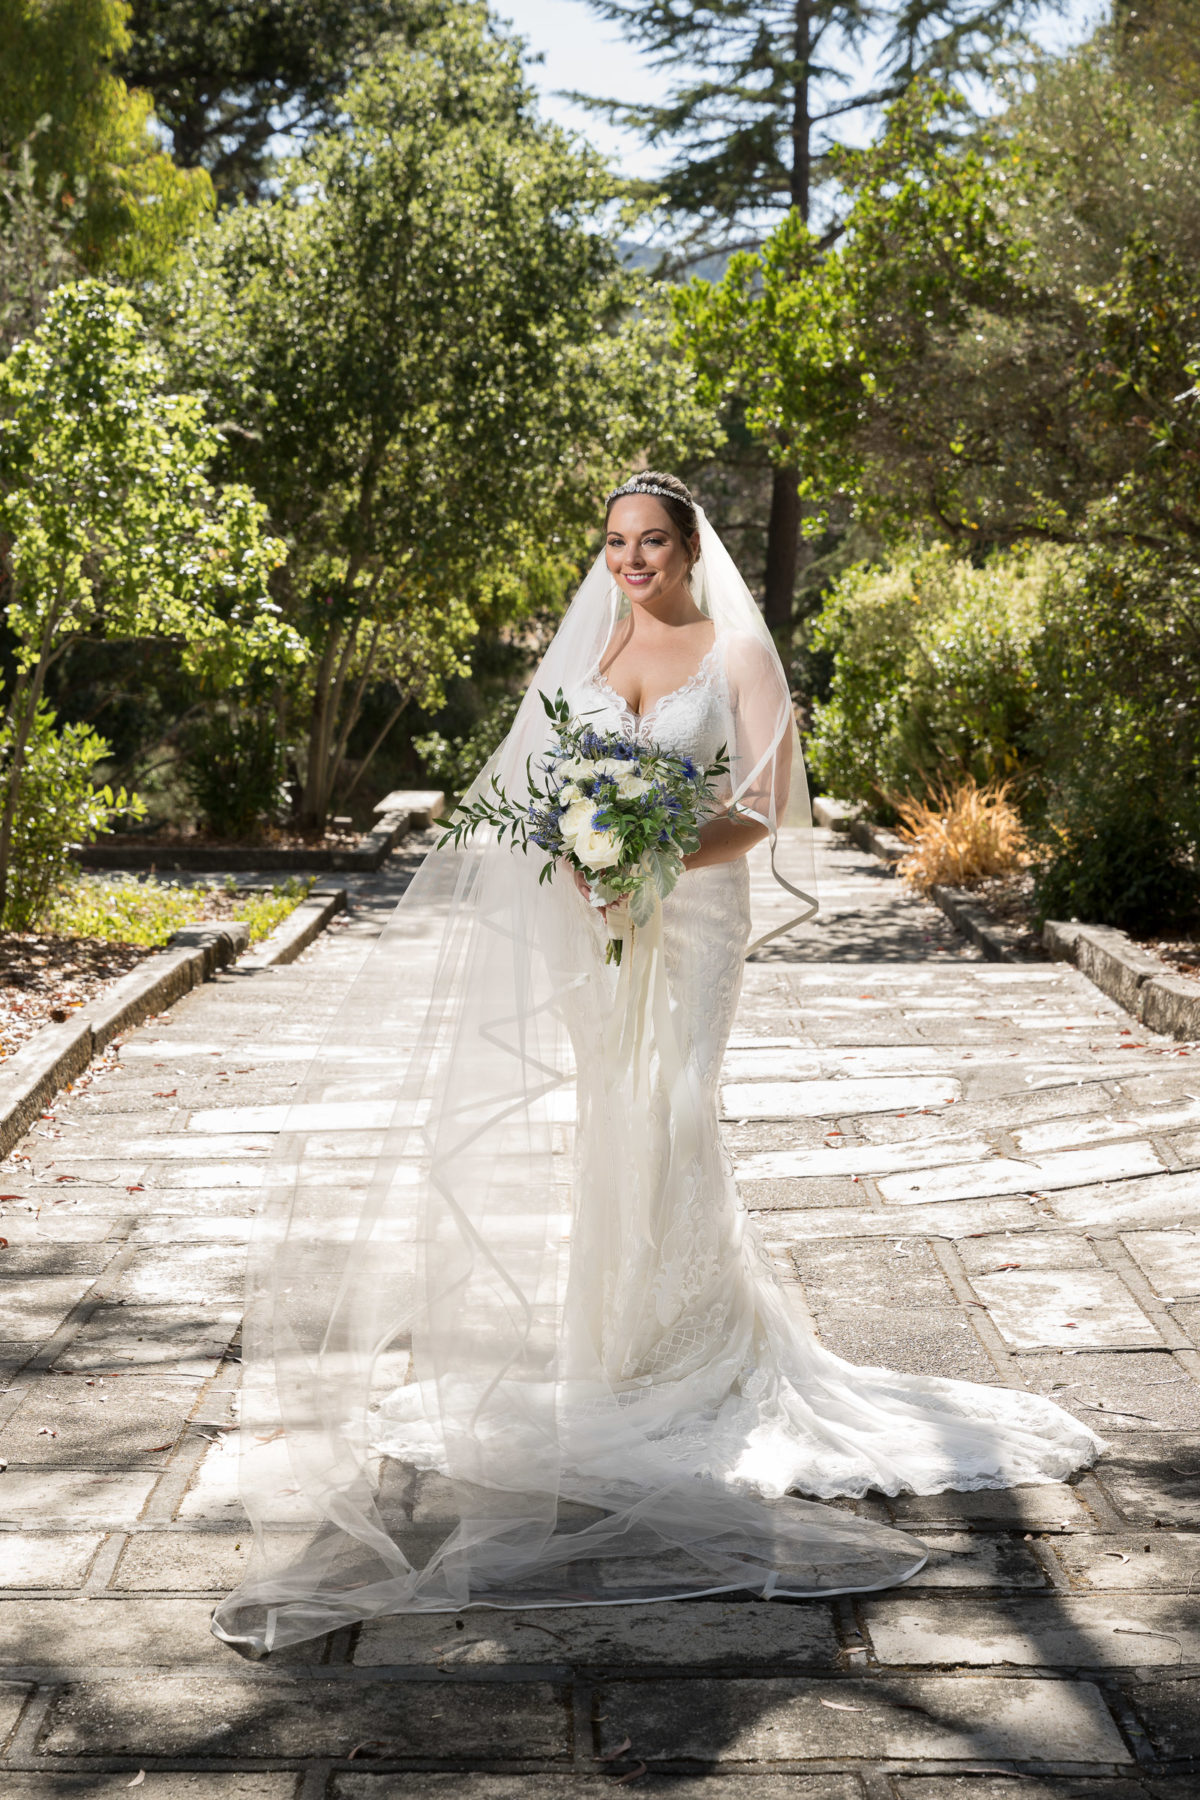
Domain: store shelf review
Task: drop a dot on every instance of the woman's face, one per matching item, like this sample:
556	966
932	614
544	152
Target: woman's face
644	550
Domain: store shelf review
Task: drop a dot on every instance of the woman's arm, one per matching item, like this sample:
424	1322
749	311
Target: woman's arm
762	712
723	840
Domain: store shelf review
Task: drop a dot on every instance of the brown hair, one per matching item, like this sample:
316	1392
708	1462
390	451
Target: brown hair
667	489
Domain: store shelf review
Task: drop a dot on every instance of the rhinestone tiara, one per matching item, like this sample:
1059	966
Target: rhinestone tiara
642	487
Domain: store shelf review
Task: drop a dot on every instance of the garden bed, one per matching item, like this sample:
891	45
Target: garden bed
1009	898
98	929
335	837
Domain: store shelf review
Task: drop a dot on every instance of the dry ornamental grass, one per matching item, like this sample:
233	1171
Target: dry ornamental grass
961	834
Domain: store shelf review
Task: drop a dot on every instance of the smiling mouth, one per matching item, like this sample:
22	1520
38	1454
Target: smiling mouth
639	580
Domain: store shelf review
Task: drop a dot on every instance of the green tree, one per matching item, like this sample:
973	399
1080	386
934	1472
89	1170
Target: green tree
228	78
36	249
109	524
1005	343
762	96
92	137
1003	348
427	347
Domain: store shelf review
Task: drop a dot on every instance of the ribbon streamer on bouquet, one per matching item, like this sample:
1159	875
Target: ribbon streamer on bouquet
640	1026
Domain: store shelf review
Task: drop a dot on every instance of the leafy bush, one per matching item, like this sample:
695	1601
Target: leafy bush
57	806
145	910
234	772
961	834
1119	864
1119	738
934	675
457	760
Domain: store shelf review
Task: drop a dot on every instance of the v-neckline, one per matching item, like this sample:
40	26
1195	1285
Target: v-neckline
693	680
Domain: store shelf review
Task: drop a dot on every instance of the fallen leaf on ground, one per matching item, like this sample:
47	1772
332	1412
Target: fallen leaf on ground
138	1779
611	1755
839	1706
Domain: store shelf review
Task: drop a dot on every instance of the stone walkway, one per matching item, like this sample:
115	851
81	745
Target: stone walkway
967	1169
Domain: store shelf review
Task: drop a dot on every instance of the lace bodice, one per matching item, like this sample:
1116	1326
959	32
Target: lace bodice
693	720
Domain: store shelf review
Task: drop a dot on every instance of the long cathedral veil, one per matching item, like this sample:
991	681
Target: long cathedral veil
410	1262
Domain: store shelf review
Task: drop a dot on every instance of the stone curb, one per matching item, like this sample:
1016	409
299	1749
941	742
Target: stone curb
998	942
403	810
369	854
879	841
836	815
297	931
1136	980
30	1079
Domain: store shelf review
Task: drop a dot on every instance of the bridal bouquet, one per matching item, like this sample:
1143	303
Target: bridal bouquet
623	814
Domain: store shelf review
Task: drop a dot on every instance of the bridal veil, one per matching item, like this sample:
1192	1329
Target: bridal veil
414	1244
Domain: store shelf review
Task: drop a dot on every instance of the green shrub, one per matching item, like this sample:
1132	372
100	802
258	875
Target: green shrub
145	910
934	676
57	806
1119	738
456	761
1118	864
234	772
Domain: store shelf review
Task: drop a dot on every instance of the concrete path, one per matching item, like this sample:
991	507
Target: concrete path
966	1168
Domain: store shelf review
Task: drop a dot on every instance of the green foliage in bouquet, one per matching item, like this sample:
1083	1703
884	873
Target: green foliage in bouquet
623	814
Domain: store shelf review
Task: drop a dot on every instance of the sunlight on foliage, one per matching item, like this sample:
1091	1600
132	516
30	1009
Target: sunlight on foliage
148	911
960	834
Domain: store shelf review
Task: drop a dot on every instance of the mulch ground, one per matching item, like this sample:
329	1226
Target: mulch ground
1010	898
44	978
335	837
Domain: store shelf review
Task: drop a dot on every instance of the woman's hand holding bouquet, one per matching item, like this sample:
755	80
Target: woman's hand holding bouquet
621	814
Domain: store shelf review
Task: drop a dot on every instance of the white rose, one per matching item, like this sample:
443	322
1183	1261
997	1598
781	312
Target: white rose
577	818
575	768
569	793
597	849
631	787
610	765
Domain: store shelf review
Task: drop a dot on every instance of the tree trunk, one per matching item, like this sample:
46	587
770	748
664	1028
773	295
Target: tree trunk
783	527
801	182
783	541
314	801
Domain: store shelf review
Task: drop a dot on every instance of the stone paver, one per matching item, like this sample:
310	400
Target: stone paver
963	1168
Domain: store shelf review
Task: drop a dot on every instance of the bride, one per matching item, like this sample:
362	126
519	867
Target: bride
511	1338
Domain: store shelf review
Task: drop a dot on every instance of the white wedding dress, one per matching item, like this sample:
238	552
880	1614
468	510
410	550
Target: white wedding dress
511	1339
669	1289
